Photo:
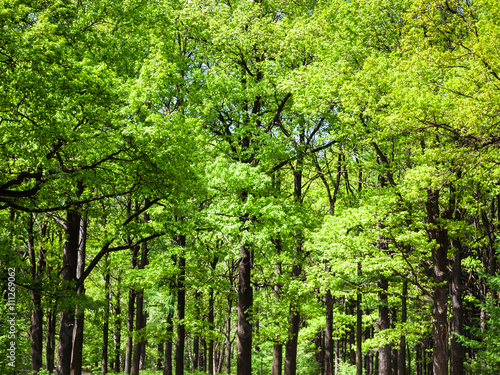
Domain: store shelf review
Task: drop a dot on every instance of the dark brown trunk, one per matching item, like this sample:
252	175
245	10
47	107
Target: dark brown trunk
245	302
139	318
457	350
402	341
294	315
68	276
51	341
228	334
117	328
419	360
384	323
129	347
105	327
328	361
36	334
161	356
293	334
77	352
168	369
211	309
277	359
181	307
359	329
440	290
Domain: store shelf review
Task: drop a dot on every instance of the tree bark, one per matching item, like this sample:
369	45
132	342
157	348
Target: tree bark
181	307
168	368
329	354
68	275
139	346
130	317
440	290
77	352
117	327
105	326
359	331
384	323
402	341
228	334
50	347
36	334
456	348
245	302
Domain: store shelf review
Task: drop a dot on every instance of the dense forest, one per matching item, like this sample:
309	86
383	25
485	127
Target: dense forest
249	187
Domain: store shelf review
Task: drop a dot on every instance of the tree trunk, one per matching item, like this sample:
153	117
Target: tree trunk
68	276
168	369
228	334
139	346
293	335
117	327
105	327
457	350
50	347
36	334
328	360
359	331
77	353
384	323
402	341
245	302
440	290
181	307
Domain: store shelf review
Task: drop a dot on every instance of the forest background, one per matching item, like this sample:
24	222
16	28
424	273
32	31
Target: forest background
267	187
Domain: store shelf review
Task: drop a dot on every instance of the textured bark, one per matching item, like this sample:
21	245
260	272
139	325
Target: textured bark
402	341
384	323
51	341
129	347
457	350
117	327
291	342
277	365
168	368
228	334
77	352
440	290
328	360
139	346
359	332
105	326
245	302
68	275
36	334
181	307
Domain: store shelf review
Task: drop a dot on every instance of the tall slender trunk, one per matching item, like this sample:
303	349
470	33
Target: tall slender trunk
168	368
456	348
402	340
329	350
50	347
277	364
105	326
359	330
68	276
294	315
384	323
440	290
77	352
245	302
117	327
139	346
130	316
228	334
181	307
36	334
